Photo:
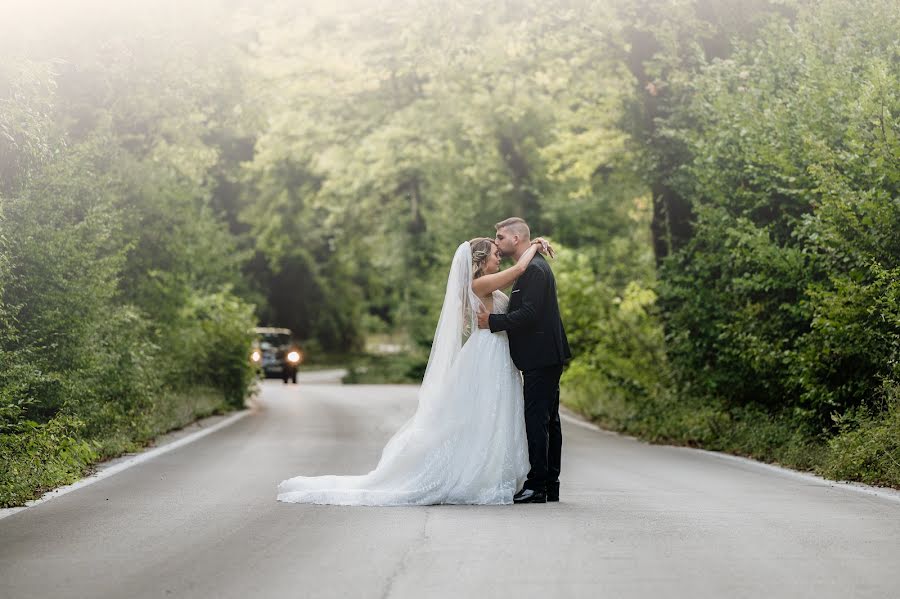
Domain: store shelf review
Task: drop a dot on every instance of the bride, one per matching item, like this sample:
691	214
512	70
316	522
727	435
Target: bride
466	442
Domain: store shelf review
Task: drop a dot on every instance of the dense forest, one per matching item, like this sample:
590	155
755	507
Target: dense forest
721	178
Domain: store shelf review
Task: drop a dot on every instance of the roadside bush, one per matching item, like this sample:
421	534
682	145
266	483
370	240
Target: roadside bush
213	343
619	372
36	457
92	365
867	446
785	297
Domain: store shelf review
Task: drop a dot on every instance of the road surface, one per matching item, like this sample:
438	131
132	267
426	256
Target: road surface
635	521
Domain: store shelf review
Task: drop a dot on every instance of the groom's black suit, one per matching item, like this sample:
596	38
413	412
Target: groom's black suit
539	348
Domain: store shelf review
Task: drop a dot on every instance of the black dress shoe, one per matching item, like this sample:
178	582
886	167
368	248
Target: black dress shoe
552	491
530	496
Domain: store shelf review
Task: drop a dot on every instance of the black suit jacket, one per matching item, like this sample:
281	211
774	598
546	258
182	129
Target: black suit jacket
537	338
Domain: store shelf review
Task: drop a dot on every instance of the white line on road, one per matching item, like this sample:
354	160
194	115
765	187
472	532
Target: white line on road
124	464
883	493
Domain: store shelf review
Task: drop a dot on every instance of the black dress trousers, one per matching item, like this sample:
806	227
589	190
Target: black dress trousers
541	386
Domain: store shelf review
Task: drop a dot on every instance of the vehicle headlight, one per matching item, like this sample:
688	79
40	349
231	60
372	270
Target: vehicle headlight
293	357
255	356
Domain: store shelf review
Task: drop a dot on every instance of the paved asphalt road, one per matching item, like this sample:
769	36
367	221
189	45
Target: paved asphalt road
635	521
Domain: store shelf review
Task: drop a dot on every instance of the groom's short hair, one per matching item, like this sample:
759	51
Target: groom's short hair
516	225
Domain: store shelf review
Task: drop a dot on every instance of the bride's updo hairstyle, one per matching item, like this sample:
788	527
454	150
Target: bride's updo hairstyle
482	247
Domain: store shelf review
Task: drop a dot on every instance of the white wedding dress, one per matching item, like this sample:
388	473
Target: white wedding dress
466	442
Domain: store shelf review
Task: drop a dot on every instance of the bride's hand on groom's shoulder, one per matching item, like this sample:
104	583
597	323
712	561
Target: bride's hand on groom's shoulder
545	247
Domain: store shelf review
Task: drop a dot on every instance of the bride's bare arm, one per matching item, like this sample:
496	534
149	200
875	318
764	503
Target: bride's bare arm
490	283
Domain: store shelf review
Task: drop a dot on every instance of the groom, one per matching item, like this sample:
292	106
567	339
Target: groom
539	348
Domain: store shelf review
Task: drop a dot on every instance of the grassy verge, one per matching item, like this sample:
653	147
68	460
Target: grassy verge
386	369
38	457
865	447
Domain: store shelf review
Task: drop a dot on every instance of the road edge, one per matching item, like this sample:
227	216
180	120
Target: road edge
114	466
881	492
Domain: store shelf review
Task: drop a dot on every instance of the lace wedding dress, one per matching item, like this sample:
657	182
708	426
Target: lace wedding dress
466	442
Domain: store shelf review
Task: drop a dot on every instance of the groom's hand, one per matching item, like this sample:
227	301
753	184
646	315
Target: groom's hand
483	318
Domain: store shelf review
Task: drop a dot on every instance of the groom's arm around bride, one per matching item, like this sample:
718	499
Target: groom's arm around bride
537	337
536	334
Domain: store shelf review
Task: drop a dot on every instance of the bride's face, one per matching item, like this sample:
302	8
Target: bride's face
492	264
